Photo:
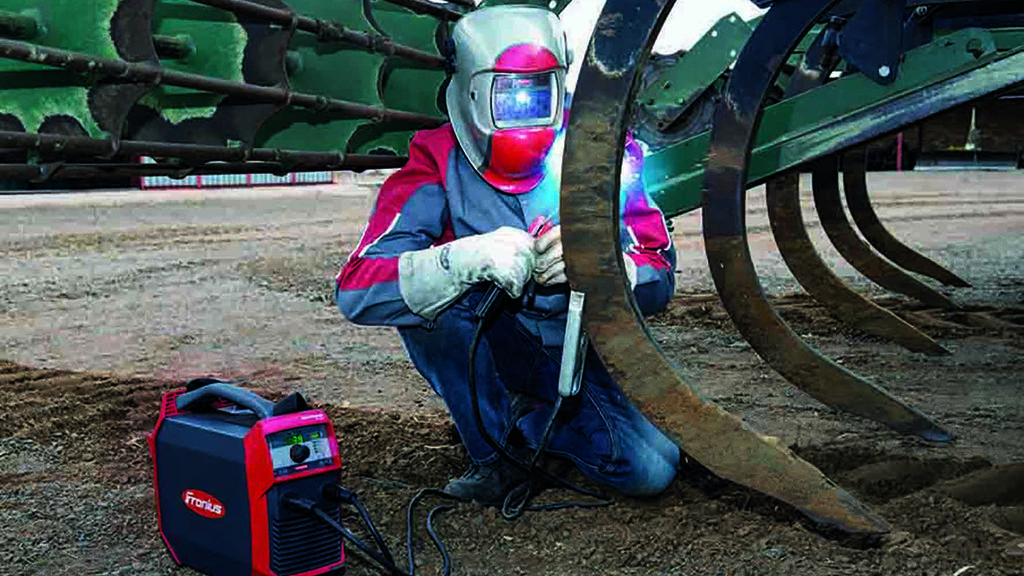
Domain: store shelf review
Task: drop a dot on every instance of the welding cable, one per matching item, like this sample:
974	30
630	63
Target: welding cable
340	494
491	302
518	499
446	570
310	507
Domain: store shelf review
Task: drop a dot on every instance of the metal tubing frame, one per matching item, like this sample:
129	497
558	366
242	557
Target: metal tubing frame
62	171
829	204
736	123
821	136
428	9
157	75
328	31
589	209
859	202
821	283
83	147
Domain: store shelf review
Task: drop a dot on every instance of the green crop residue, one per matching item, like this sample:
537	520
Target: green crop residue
31	92
220	48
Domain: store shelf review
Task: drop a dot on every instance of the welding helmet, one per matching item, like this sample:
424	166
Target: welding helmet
507	92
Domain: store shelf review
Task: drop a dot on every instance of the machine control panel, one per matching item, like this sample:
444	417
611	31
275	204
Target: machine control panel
299	450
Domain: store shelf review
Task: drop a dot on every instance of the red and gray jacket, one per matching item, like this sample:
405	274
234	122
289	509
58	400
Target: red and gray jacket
438	197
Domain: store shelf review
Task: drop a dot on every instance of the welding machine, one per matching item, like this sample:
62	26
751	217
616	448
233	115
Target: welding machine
224	461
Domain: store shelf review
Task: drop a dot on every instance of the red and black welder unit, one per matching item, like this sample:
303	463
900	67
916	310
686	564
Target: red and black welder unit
223	460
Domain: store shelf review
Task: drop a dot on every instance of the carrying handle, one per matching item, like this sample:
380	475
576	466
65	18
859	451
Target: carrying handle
262	407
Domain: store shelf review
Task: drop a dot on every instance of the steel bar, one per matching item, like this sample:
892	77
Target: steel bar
428	8
328	31
725	233
839	230
146	72
67	171
589	209
821	283
864	215
82	147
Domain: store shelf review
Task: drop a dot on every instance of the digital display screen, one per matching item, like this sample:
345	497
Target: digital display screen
300	449
524	100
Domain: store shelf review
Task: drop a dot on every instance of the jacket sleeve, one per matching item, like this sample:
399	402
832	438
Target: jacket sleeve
410	214
645	237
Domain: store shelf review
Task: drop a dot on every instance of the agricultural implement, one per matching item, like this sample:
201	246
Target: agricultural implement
265	86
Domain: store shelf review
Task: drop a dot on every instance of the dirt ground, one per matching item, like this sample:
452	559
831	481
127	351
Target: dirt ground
109	299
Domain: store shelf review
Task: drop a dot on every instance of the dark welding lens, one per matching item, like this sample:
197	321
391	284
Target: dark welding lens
524	100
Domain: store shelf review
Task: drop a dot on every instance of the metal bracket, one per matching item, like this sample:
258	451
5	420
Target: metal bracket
871	41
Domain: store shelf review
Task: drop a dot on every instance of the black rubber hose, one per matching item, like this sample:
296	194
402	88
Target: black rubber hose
310	507
493	300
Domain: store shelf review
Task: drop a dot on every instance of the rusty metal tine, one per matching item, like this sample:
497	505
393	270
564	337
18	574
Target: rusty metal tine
864	215
725	237
791	236
589	209
821	283
839	230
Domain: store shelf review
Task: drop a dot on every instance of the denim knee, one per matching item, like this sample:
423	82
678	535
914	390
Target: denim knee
651	469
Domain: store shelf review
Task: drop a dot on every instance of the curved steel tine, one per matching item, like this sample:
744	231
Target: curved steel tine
821	283
589	209
726	242
833	219
864	215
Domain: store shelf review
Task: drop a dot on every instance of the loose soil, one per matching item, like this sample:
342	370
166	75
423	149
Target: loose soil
107	301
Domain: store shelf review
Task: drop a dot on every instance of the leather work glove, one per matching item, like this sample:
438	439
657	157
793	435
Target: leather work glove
550	267
431	279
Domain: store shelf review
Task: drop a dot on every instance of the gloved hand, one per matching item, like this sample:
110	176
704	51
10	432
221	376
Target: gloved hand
431	279
550	267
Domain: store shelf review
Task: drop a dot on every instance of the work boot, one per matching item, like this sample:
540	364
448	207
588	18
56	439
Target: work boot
487	484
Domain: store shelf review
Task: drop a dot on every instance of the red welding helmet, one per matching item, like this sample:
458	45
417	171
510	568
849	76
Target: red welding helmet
507	93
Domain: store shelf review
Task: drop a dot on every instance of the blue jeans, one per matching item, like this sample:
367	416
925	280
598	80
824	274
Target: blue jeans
599	429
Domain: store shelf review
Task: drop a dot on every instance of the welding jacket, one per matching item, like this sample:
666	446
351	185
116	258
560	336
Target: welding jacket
438	197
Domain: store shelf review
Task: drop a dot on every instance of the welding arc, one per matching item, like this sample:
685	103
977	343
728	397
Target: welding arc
786	217
590	216
857	252
864	215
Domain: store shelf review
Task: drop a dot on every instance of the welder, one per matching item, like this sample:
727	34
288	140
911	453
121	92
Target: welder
477	205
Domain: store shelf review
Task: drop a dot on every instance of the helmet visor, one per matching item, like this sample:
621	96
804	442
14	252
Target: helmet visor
519	100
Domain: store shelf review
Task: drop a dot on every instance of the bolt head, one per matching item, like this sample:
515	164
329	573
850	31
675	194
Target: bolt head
884	71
